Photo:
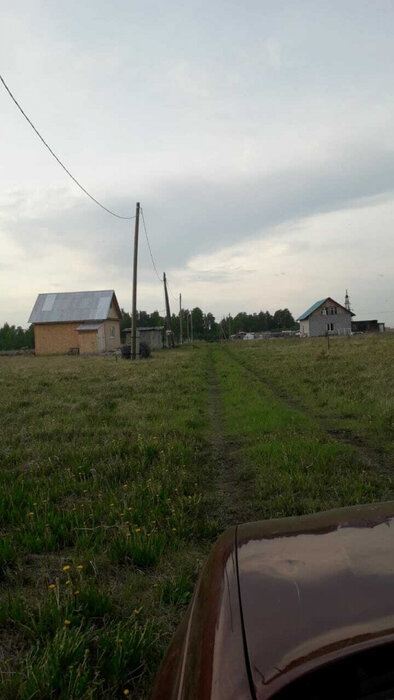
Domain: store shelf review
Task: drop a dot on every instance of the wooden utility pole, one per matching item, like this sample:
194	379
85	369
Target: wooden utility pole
180	321
168	314
134	306
191	326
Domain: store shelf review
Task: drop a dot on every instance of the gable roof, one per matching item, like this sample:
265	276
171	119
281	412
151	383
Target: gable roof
311	309
316	305
73	306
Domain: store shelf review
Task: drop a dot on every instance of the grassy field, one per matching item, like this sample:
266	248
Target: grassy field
117	476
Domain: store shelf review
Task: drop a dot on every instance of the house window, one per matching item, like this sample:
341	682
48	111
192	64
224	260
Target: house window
112	331
332	310
324	311
330	326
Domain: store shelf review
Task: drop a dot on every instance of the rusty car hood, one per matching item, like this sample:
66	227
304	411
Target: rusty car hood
314	588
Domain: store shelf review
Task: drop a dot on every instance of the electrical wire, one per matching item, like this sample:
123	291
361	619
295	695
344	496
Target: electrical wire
150	249
58	159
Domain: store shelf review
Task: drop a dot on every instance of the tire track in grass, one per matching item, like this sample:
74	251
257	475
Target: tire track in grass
293	465
235	497
369	456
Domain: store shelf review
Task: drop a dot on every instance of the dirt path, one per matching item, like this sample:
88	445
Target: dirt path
367	454
235	497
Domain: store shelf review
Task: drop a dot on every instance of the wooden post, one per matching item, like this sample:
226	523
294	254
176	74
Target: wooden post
180	321
191	326
170	338
134	307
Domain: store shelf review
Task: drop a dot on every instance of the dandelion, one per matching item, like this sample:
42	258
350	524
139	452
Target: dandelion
66	568
137	529
68	582
136	611
80	567
67	623
126	691
51	587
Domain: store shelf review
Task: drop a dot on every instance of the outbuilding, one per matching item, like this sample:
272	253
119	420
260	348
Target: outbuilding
81	322
370	326
151	335
325	317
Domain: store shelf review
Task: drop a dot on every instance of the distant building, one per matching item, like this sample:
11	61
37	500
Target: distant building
81	322
325	317
368	327
152	335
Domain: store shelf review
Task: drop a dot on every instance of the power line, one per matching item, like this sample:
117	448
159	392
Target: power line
150	249
58	159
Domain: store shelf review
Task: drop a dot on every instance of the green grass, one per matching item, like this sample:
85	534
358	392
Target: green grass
110	495
297	466
102	496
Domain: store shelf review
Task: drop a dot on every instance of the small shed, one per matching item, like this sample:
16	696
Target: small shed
372	326
82	322
152	335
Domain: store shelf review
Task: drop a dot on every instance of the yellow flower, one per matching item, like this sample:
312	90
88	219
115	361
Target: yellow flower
66	568
67	623
126	691
136	611
137	529
51	587
80	567
68	582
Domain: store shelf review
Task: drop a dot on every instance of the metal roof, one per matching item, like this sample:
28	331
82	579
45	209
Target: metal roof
311	309
72	306
316	305
89	327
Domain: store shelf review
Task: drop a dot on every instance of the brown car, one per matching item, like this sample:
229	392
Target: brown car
293	608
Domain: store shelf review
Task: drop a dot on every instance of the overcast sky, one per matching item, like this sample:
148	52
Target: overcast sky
258	136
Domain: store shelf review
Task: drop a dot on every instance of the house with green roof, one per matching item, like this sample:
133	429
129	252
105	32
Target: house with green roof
325	317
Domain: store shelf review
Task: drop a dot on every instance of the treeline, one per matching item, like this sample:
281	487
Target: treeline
15	337
205	326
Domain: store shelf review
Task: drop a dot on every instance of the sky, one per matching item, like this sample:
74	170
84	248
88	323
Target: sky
258	137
